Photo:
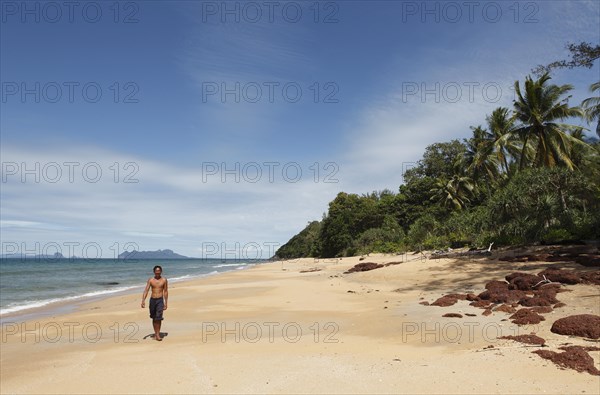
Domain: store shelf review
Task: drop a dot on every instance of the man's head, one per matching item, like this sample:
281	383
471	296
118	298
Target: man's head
157	270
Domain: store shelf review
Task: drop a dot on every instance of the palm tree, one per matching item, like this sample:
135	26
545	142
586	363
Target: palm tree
455	193
477	159
501	124
537	109
592	107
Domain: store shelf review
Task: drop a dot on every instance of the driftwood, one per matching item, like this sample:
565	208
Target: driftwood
449	254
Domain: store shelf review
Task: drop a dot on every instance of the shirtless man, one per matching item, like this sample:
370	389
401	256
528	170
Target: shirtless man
158	299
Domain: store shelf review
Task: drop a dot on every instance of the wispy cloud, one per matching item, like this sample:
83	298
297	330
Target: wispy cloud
244	51
169	207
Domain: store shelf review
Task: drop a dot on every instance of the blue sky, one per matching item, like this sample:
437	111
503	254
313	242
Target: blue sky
379	81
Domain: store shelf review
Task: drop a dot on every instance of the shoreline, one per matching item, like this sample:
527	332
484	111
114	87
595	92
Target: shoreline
72	303
301	326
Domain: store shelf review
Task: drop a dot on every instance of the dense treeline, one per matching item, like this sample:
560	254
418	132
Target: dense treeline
524	176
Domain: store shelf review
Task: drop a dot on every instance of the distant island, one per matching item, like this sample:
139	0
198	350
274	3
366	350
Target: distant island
56	255
158	254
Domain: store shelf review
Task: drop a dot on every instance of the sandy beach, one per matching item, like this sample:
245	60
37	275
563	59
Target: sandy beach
303	326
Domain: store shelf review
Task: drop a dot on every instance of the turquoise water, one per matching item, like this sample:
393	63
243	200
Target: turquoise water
26	284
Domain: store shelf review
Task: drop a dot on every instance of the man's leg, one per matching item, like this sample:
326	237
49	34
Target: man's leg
156	324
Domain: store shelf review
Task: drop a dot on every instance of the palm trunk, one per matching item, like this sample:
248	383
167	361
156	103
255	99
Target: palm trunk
522	159
562	199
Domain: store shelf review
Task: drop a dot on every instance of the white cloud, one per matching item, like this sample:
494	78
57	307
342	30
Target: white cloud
170	206
392	134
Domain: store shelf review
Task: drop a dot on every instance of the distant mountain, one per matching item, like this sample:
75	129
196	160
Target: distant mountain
158	254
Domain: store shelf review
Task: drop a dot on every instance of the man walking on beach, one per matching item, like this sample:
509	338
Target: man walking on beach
158	299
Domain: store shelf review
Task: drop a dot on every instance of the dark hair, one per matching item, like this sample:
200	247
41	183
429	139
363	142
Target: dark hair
157	267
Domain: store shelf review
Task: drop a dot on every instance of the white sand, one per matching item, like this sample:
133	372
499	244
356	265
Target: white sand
315	336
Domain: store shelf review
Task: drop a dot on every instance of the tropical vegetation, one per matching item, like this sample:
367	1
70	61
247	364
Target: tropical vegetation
527	175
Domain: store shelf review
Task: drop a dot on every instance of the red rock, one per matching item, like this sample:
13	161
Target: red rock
392	263
583	325
545	296
482	304
495	284
513	275
498	295
525	282
526	317
546	287
444	301
548	294
449	300
535	301
472	297
573	357
458	296
506	308
527	339
561	276
542	309
363	267
591	277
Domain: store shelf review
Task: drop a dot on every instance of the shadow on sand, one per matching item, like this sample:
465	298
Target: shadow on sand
474	273
162	335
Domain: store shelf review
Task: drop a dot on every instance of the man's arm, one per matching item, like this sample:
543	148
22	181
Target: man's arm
166	293
145	294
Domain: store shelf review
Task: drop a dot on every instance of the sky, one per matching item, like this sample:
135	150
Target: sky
220	129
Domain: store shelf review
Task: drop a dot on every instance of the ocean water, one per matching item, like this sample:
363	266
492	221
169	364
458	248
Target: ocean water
31	283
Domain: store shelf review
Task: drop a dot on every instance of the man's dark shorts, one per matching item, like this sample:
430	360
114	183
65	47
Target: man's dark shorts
156	308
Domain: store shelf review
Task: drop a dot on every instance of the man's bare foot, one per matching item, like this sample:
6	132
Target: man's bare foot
157	337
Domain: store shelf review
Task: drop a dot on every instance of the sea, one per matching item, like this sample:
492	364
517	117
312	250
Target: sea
28	284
